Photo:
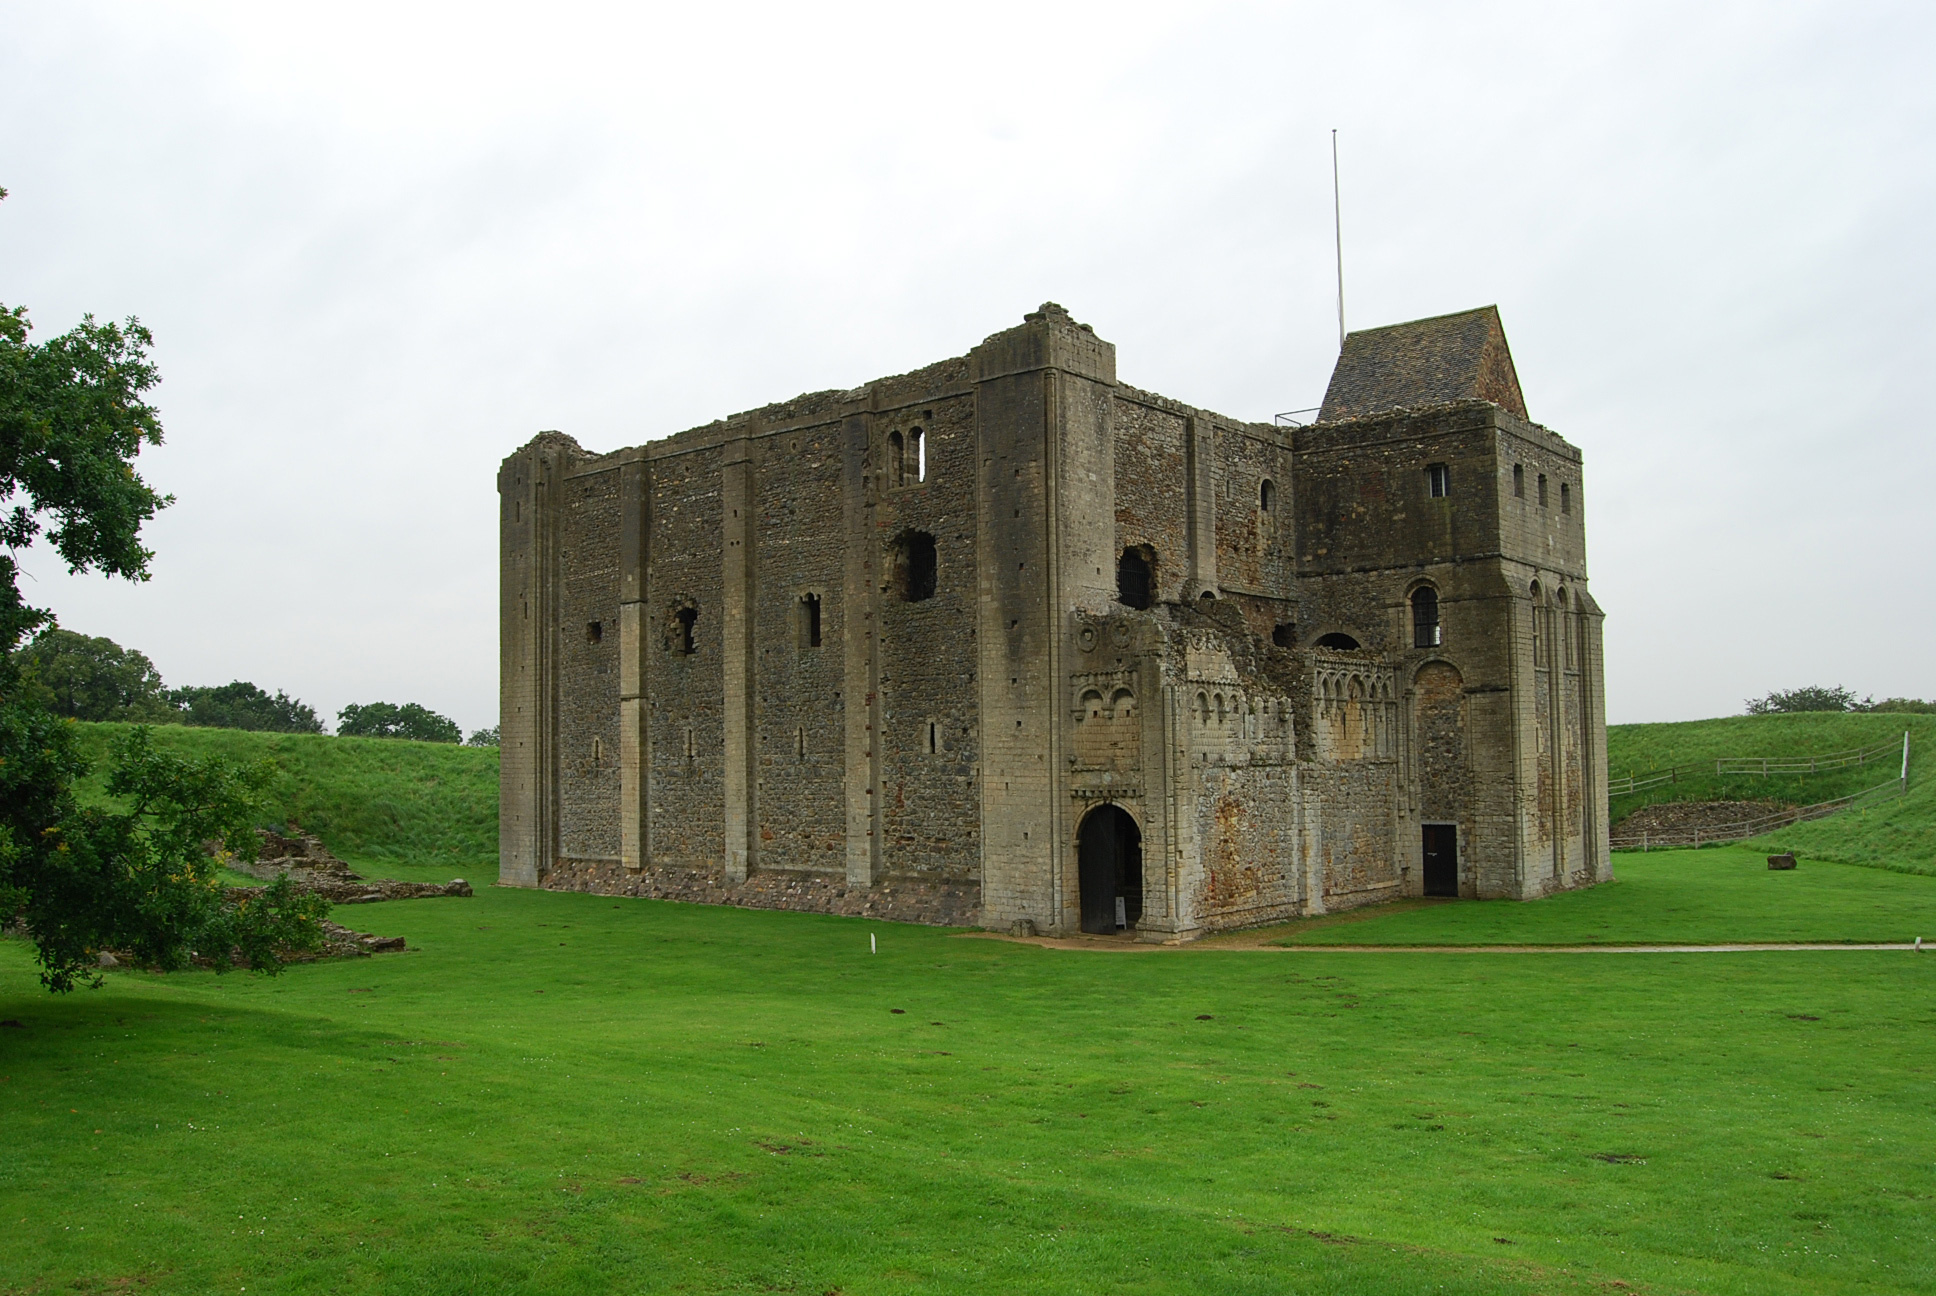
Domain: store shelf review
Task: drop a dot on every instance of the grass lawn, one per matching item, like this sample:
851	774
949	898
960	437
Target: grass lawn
432	804
1717	895
557	1093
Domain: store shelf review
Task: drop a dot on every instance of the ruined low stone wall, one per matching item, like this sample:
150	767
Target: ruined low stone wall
936	903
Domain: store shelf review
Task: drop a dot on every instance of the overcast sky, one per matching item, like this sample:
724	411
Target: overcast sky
381	245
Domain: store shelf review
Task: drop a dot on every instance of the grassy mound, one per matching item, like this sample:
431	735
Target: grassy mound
1712	896
1895	834
568	1094
432	805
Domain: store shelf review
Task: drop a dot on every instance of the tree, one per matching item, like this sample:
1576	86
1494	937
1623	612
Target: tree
483	738
242	705
134	876
93	679
1814	698
386	720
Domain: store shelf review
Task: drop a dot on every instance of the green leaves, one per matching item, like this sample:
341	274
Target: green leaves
72	420
139	880
387	720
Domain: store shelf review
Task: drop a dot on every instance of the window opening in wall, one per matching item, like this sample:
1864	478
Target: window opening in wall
1284	634
594	632
1266	495
691	749
1542	490
1208	596
918	454
1425	617
683	621
1566	498
1220	710
1519	481
598	751
1438	477
1565	627
810	620
1538	612
896	458
934	737
1133	578
799	742
1338	641
1203	708
912	572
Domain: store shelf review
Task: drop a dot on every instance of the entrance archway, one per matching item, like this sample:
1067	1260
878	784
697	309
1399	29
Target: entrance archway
1109	865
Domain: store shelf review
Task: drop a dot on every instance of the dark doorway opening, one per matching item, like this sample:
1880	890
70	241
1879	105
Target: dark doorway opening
1441	859
1109	862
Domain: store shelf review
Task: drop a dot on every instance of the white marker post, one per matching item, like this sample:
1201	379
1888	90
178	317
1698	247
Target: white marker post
872	948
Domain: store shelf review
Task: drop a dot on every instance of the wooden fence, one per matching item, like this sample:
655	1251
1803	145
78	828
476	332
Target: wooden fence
1763	765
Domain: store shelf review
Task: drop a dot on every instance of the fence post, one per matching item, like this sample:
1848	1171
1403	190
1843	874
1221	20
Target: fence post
1903	779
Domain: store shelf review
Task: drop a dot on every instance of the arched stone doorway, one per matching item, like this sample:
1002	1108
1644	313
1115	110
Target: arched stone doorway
1109	865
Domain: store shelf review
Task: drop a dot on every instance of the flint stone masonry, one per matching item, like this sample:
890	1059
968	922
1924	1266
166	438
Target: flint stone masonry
889	650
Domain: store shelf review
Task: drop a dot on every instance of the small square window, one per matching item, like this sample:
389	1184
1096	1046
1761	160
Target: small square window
1438	478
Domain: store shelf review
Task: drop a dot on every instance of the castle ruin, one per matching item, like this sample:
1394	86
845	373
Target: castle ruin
1006	642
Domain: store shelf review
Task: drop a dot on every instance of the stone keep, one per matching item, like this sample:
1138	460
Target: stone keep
1007	642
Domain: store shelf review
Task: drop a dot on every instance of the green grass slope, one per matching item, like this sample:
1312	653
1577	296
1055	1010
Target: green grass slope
1894	834
562	1094
431	805
1712	896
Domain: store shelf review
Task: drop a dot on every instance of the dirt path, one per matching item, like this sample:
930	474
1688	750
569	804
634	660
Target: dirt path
1256	944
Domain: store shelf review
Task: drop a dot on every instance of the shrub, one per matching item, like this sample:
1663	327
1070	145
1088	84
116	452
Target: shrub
1900	706
1817	698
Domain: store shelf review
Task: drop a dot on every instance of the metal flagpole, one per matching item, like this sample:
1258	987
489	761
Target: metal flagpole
1337	230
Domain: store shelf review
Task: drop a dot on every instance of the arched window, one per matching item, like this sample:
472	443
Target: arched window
917	454
896	458
1220	710
1134	579
1539	611
1425	617
1203	708
1266	495
1338	641
912	570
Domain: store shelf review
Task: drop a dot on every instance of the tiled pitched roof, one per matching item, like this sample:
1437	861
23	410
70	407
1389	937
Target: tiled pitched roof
1424	362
